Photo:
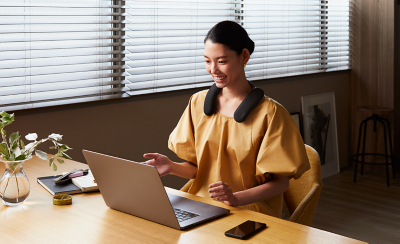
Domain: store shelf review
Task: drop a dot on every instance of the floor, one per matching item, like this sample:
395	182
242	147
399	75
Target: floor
367	210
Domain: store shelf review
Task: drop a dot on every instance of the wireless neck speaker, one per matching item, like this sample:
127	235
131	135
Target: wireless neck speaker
244	109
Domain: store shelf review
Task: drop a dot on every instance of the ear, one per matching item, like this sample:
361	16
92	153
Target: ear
245	56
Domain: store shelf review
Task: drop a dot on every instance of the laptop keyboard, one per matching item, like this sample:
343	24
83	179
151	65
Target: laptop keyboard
183	215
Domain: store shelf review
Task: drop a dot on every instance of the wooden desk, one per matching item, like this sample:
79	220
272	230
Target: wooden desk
89	220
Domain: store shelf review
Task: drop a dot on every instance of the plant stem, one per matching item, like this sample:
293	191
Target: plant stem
16	180
5	141
8	180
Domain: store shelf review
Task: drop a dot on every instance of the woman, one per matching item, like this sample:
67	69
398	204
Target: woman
240	146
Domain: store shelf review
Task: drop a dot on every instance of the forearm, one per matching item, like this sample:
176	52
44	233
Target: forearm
276	186
185	170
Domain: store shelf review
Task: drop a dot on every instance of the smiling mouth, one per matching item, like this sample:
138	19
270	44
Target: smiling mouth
219	78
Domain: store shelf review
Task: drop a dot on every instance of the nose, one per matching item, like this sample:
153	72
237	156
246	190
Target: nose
214	68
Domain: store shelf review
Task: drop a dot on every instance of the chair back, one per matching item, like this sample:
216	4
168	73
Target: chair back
302	195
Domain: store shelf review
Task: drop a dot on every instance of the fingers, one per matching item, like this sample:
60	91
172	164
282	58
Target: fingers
149	162
225	191
221	191
223	197
218	186
151	155
220	194
219	183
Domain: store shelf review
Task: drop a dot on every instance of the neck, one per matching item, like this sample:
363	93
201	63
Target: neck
239	90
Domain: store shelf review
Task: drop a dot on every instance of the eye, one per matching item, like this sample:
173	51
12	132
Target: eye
207	62
222	62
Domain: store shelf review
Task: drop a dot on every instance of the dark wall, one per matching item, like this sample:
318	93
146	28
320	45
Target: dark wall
396	89
128	128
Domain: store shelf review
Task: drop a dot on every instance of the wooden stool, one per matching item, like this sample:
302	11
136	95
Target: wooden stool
376	118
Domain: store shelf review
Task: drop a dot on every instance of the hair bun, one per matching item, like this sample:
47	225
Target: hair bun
250	45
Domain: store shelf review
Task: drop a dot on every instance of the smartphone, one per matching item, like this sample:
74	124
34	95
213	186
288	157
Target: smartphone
245	230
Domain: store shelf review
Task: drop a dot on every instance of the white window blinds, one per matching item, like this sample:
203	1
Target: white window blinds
165	39
59	52
296	36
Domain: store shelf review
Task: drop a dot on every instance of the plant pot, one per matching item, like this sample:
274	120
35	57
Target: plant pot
14	185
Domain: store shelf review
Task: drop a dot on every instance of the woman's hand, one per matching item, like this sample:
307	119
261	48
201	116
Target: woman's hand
222	192
162	163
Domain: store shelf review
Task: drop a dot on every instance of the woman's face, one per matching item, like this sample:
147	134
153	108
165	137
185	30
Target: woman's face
224	65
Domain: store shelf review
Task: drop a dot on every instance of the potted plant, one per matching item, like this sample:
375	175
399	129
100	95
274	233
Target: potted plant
14	185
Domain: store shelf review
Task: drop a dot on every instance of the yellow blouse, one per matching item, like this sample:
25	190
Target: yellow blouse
243	155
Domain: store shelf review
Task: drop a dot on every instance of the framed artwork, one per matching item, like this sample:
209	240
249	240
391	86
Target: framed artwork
297	119
320	130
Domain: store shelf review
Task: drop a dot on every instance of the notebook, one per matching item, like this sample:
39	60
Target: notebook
136	189
86	183
57	189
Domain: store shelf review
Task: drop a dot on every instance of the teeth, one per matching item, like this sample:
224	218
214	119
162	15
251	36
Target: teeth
219	77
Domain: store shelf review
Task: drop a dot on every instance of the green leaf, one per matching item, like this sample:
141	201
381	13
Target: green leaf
22	144
14	146
64	148
51	160
3	131
66	156
6	120
4	114
54	166
4	150
16	151
13	137
21	157
52	148
12	157
42	155
59	154
61	161
12	117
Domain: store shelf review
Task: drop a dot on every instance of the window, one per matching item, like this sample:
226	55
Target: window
59	52
165	39
295	37
165	42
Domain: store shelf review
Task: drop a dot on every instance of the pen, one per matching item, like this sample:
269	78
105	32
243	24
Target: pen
78	173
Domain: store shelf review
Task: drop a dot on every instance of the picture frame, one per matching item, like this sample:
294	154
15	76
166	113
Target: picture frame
320	130
297	119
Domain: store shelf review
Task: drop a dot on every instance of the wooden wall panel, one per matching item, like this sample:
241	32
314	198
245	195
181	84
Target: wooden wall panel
385	54
397	79
372	75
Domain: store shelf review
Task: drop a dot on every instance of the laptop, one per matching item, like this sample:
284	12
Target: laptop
136	189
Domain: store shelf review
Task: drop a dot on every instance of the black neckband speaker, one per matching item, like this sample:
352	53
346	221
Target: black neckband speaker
244	109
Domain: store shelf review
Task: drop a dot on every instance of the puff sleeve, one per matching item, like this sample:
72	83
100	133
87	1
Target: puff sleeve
181	141
282	149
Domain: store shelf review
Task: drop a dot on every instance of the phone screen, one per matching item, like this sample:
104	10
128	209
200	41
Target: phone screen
245	229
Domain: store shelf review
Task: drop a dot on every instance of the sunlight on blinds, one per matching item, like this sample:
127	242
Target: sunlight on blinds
57	52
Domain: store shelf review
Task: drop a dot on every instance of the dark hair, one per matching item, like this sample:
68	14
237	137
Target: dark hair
232	35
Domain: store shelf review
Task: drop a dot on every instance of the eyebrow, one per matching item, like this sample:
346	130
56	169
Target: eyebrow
217	57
